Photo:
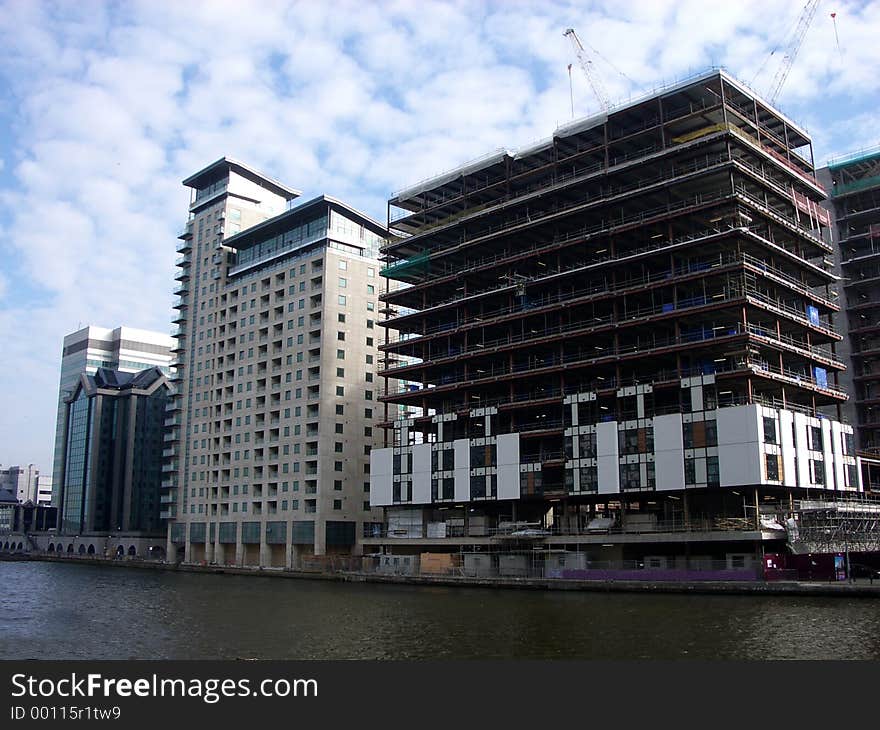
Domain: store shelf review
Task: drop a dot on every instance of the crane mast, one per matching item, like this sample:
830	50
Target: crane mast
588	67
794	46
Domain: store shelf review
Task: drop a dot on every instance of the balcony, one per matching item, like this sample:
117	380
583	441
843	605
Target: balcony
181	290
208	194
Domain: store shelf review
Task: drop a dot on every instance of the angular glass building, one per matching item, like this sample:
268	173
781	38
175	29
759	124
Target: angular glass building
112	453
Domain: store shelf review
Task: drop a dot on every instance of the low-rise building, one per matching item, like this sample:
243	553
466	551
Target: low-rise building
110	477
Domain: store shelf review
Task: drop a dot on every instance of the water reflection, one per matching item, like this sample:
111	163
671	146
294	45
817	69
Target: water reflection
52	610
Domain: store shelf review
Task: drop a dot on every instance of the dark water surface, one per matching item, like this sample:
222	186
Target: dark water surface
58	611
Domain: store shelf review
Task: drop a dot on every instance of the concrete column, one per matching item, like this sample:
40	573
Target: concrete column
265	553
320	537
209	546
239	545
170	548
288	546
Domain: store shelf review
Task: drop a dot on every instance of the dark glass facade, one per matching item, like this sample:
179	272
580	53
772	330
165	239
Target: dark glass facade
113	453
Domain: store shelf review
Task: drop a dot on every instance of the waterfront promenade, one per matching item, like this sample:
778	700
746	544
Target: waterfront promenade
861	588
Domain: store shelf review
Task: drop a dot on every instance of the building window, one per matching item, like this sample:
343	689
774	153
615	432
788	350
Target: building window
713	478
770	431
817	472
690	471
815	438
630	476
772	463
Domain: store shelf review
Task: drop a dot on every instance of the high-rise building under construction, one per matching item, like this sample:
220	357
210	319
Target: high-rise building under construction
631	321
853	184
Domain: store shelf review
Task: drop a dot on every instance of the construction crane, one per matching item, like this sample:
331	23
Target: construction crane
589	69
791	51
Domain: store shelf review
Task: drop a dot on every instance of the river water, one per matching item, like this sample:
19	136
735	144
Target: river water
69	611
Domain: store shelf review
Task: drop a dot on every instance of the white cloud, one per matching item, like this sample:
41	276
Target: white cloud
113	105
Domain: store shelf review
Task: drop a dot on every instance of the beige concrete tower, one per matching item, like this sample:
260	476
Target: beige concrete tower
269	435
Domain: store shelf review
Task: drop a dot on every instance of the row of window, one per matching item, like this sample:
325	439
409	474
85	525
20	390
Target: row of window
815	439
309	507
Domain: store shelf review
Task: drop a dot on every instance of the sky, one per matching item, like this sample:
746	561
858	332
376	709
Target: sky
107	106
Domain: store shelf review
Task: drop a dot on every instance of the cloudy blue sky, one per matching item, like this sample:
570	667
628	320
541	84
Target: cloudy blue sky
107	106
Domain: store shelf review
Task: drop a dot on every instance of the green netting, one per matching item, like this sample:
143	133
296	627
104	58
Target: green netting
864	183
860	156
416	265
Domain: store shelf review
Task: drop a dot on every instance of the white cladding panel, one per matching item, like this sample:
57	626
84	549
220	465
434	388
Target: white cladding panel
837	448
608	466
421	474
739	452
697	398
381	468
801	441
462	474
668	452
508	466
828	454
786	441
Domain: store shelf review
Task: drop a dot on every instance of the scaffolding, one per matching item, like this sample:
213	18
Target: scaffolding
845	526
